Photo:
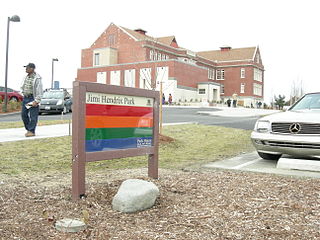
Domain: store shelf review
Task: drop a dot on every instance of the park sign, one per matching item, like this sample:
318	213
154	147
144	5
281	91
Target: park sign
118	122
111	122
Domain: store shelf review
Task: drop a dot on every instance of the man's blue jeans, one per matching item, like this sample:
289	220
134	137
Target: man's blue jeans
29	116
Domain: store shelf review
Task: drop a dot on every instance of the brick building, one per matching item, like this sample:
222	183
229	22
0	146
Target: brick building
131	58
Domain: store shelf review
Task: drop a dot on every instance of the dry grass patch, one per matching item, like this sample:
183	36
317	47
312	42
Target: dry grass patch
193	145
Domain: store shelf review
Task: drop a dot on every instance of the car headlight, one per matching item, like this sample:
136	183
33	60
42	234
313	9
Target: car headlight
59	102
262	126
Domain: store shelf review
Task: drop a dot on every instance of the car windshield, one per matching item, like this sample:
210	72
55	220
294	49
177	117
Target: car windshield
53	95
310	101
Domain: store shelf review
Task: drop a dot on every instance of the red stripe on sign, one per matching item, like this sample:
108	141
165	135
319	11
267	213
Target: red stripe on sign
117	111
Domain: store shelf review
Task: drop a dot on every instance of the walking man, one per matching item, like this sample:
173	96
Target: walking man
32	92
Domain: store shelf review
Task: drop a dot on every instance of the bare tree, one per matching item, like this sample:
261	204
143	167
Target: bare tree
297	90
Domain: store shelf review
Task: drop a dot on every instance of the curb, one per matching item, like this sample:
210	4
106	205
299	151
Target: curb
8	114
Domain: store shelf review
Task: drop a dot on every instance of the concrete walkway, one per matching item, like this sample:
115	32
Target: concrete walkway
17	134
58	130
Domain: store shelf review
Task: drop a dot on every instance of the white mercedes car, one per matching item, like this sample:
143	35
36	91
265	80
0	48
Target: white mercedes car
295	132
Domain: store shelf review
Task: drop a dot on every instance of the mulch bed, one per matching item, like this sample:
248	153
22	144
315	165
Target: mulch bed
192	205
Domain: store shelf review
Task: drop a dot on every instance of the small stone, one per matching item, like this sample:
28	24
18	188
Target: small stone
70	225
287	228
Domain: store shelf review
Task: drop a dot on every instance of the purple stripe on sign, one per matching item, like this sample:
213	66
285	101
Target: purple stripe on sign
117	143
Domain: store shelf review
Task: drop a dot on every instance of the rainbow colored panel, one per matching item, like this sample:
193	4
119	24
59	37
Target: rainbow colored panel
118	122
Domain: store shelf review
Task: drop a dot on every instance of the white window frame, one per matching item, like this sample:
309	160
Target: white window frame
220	74
202	92
257	74
151	53
210	73
101	77
96	59
242	73
222	89
257	89
242	87
129	78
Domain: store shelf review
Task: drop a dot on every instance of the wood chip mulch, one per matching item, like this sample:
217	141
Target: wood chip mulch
192	205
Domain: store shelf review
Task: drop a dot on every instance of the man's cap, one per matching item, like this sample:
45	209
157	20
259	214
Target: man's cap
30	65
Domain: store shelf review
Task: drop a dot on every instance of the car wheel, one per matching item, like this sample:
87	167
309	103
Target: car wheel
14	99
269	156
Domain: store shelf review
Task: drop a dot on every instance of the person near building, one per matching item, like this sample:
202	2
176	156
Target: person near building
229	102
170	99
163	99
234	103
32	92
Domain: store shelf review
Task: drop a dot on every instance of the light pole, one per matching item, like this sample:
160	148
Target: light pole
14	18
53	60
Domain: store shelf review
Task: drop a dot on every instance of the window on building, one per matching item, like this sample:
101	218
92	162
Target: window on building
257	89
97	59
163	56
101	77
243	73
242	86
111	39
257	75
159	56
221	89
151	53
220	74
202	91
210	73
155	56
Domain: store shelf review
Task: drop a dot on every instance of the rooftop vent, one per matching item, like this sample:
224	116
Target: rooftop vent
139	30
225	48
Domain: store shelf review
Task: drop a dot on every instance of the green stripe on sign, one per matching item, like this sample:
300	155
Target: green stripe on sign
109	133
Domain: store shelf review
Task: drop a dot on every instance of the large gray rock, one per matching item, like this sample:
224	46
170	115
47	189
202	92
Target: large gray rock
135	195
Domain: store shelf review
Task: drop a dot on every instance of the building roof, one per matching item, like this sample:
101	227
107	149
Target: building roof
229	55
166	40
140	37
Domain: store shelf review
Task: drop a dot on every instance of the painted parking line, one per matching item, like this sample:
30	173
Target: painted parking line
245	164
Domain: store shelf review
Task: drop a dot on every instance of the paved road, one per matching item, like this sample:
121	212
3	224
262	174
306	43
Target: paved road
253	163
171	115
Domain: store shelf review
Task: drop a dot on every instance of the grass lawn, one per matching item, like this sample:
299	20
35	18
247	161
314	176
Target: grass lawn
194	145
19	124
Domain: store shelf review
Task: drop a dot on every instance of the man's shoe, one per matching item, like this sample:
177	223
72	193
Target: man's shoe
30	134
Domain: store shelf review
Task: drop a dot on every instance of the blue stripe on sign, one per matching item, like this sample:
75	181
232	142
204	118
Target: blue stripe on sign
117	143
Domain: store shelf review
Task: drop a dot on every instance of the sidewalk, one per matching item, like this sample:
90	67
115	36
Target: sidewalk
58	130
17	134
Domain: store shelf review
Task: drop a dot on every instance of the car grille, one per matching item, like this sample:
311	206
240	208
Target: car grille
305	128
291	144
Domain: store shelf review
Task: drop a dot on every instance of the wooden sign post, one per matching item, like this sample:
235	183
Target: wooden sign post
111	122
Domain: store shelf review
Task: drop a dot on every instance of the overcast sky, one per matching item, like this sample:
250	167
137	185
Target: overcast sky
287	32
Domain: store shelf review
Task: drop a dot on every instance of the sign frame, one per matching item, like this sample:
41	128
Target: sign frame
80	156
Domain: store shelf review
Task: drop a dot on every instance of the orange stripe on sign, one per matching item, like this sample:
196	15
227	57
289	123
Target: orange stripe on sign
118	122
